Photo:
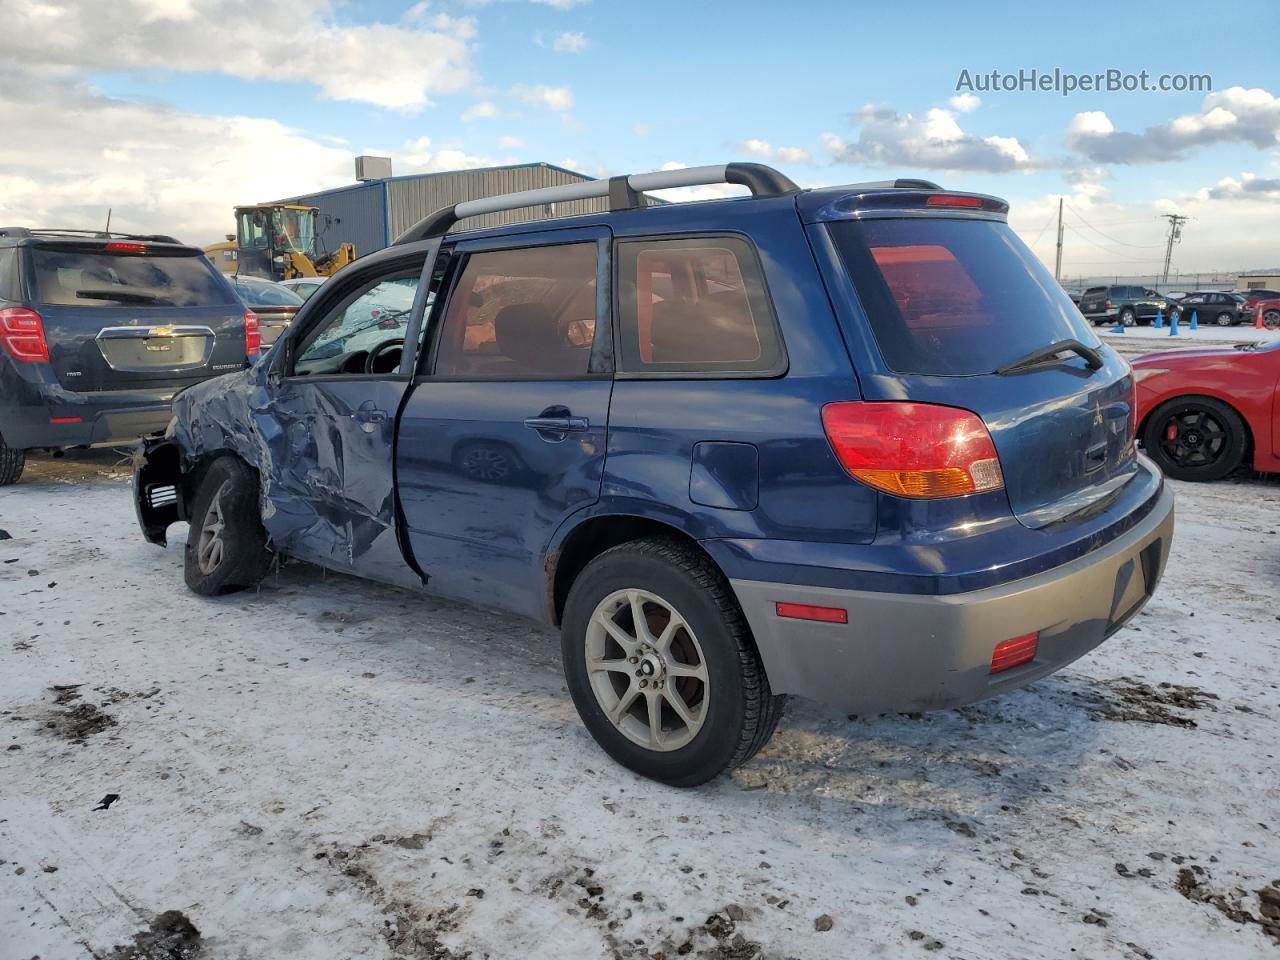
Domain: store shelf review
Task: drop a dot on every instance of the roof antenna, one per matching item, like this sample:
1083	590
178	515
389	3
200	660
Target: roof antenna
108	230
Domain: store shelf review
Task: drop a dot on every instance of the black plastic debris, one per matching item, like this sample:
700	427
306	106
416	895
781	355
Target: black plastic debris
107	801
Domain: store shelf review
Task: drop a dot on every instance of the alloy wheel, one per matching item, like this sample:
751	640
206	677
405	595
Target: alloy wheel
212	546
647	670
1194	438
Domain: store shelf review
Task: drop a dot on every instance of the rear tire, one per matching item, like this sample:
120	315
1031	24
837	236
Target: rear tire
1128	318
12	463
709	665
1195	438
226	546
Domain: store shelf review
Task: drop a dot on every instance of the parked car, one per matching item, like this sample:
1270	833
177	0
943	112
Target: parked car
304	286
1075	293
1254	297
850	443
1203	413
273	303
1123	305
1269	312
97	333
1212	306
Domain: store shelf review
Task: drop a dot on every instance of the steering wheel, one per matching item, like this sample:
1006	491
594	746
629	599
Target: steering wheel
378	352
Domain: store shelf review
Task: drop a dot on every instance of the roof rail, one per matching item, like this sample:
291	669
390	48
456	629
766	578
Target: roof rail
624	193
94	234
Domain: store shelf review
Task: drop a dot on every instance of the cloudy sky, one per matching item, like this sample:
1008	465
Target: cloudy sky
172	111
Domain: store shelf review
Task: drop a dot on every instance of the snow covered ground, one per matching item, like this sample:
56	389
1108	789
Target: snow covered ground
332	769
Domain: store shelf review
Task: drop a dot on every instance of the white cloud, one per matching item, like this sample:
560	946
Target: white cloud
394	65
793	155
1249	186
160	169
763	149
420	156
510	143
479	111
756	147
965	102
562	4
569	42
933	141
1234	115
552	98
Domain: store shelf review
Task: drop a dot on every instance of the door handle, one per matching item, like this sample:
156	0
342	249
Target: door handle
368	413
557	424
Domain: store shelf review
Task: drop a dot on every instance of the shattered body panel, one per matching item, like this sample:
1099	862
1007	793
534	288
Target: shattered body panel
326	488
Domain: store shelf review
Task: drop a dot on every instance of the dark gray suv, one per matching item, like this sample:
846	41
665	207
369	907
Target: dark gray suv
97	333
1123	304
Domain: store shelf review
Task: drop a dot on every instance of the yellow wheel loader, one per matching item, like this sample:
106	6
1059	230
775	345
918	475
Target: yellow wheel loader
279	241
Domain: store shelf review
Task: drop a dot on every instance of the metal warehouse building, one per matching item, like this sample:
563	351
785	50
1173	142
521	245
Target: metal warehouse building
373	213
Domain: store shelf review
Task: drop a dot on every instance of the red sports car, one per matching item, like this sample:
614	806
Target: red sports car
1202	413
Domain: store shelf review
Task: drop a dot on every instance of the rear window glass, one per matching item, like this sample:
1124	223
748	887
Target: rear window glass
266	293
696	306
953	297
75	278
10	288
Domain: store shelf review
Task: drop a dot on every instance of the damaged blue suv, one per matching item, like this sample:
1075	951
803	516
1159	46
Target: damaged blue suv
852	443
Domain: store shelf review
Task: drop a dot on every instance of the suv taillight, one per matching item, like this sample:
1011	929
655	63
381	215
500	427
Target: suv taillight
22	335
252	334
919	450
1108	306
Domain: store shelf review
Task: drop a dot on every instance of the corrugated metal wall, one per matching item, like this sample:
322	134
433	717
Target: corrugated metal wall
359	213
355	214
413	198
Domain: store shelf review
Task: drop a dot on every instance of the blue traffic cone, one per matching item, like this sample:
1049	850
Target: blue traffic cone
1120	329
1194	322
1173	324
1159	320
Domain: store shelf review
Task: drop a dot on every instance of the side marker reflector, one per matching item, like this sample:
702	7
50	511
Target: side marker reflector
1015	652
806	611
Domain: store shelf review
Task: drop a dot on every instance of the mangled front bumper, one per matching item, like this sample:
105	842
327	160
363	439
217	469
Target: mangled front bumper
158	488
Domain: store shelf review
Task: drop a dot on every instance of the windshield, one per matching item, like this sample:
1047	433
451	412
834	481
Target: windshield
954	297
263	292
295	230
73	278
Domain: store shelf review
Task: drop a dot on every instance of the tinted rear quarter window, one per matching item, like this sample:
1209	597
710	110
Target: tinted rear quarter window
695	306
954	297
10	279
84	278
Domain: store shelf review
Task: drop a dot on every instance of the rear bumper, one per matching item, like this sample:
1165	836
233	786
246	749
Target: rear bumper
61	419
907	652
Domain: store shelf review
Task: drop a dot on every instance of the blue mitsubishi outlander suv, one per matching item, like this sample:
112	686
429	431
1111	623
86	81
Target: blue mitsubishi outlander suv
850	443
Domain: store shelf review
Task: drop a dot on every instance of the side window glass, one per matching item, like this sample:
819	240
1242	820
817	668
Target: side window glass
363	329
523	313
695	305
9	286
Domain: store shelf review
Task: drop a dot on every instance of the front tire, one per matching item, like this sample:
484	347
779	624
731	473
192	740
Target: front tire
1195	438
12	463
1225	319
661	665
1271	319
226	546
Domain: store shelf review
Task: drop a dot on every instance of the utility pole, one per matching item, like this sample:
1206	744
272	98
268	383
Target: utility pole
1176	220
1057	266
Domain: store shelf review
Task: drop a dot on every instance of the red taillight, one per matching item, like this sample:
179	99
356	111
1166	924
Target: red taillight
64	420
913	449
806	611
22	335
252	334
944	200
1108	305
1015	652
127	247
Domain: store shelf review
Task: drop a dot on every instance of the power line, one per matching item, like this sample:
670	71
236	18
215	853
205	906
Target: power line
1176	220
1124	243
1094	243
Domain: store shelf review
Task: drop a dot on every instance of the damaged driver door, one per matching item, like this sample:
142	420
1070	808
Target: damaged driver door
336	384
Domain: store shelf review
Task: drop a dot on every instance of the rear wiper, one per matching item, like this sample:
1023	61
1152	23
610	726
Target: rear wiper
1052	352
123	296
